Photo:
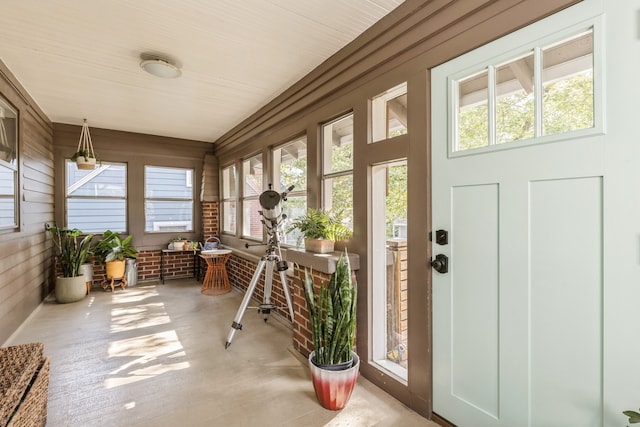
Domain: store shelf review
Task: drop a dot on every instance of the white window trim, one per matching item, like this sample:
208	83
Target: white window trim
553	31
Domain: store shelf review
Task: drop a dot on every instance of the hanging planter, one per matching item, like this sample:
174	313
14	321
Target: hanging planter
84	156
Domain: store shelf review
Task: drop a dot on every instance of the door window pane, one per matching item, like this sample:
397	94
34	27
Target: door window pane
96	199
168	199
502	103
389	267
567	81
473	112
515	107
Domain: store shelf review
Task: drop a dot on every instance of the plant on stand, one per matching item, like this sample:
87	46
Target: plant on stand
113	252
71	254
333	364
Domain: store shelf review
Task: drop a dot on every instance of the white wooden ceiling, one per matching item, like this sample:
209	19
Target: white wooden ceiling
80	59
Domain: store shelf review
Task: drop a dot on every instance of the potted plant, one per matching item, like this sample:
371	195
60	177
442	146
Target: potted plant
333	364
634	417
71	253
84	159
320	229
113	251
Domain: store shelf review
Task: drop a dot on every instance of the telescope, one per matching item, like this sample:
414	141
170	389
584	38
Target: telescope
272	217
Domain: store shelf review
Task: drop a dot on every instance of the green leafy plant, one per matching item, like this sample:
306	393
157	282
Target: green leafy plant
84	153
111	247
320	224
634	417
332	313
71	251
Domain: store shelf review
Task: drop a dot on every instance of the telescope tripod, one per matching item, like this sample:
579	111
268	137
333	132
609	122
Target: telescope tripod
270	259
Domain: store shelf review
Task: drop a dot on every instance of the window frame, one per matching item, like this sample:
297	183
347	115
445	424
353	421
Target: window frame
296	192
66	162
233	198
14	167
326	177
480	63
244	198
188	184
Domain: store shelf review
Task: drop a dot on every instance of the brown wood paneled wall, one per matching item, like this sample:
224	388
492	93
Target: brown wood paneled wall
25	253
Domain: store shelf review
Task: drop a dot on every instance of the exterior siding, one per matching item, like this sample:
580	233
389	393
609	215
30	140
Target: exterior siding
25	254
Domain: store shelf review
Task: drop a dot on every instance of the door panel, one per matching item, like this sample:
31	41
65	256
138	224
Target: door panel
475	296
566	290
517	320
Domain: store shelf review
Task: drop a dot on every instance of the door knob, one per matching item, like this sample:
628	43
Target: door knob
440	264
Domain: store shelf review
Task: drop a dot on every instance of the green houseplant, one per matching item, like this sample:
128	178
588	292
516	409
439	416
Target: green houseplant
320	229
84	159
332	313
71	252
634	417
113	251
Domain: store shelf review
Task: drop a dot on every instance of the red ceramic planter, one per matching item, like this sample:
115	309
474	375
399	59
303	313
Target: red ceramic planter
334	388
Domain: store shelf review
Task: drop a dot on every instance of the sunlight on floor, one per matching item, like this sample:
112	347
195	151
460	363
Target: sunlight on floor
139	316
144	356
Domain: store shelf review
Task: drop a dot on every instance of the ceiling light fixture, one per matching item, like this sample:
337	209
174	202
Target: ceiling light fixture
160	68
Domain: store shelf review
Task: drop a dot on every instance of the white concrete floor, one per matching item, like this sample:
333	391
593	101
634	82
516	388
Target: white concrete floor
153	355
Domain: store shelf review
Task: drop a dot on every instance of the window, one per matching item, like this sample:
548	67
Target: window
229	199
389	266
96	200
8	166
252	177
290	168
168	199
504	103
389	113
337	168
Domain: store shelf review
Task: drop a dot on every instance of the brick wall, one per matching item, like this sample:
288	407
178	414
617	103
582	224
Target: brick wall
209	219
302	340
240	272
176	265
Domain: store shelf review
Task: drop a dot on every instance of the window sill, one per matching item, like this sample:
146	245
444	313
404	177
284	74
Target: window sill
324	263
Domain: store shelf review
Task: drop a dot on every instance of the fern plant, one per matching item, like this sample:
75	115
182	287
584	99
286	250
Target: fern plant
320	224
71	251
332	313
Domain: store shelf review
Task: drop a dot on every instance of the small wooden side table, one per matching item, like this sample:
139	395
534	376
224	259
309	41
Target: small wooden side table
216	281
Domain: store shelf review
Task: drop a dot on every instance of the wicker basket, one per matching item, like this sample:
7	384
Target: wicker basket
24	385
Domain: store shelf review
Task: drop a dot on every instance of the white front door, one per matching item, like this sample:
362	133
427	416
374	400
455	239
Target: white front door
517	319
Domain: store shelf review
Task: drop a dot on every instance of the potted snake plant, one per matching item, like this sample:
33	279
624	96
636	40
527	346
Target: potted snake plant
333	363
71	253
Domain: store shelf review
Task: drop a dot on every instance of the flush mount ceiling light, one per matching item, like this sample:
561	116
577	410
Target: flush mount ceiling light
160	68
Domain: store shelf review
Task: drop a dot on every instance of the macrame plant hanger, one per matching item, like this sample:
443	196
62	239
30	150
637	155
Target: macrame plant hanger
85	156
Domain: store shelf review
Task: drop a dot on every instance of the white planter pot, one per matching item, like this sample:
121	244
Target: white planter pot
70	289
319	246
86	163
